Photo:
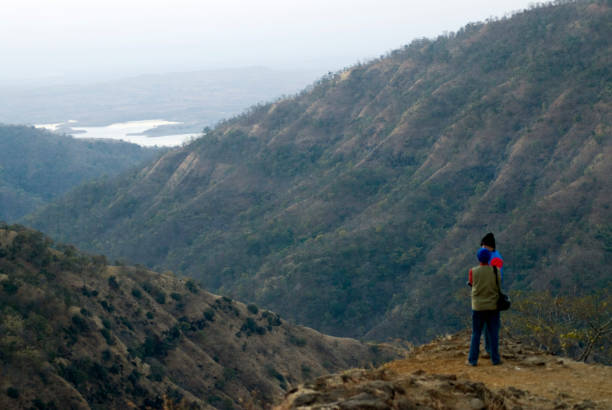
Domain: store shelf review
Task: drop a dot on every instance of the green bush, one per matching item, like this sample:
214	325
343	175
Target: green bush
253	309
10	287
209	315
107	335
80	323
112	283
160	298
250	327
297	341
191	286
107	355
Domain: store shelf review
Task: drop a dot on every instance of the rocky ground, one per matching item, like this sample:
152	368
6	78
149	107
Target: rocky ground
436	376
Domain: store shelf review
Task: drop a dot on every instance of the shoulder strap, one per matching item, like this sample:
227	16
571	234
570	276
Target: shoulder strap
496	281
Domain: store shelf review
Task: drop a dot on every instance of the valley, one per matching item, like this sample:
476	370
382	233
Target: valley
310	249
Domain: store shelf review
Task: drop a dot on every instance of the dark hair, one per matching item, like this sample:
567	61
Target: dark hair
488	240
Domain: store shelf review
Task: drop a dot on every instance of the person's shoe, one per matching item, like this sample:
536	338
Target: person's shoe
498	363
470	364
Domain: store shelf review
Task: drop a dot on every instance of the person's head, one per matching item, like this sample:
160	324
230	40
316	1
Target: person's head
483	255
488	241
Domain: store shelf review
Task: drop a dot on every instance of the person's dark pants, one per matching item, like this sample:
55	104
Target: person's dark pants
487	339
480	318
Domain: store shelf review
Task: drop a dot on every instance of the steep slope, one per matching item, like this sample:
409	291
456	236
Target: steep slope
37	166
356	206
78	333
436	376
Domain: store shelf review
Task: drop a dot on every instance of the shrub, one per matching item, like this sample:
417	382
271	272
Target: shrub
107	306
191	286
107	355
38	404
272	372
12	392
176	296
107	335
112	283
250	327
10	287
80	323
157	371
155	292
153	346
273	318
209	315
253	309
298	341
160	298
126	322
136	293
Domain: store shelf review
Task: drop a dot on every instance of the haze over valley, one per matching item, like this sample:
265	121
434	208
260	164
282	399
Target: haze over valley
300	234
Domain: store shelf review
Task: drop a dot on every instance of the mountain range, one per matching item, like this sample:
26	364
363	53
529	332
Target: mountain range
356	206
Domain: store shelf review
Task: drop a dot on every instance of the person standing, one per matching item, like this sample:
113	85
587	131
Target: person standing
484	281
488	241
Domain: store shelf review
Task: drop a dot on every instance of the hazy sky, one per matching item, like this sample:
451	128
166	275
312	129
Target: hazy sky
109	38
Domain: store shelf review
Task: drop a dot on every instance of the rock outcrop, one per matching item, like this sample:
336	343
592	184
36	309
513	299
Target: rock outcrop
436	376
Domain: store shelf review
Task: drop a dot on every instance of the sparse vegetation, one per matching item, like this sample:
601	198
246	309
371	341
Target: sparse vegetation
577	326
341	198
62	337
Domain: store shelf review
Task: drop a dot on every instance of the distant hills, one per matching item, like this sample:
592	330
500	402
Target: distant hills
198	98
36	166
356	206
76	332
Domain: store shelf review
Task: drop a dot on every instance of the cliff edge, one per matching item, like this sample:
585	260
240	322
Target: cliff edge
436	376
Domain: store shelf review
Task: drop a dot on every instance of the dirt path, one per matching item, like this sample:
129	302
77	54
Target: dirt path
558	379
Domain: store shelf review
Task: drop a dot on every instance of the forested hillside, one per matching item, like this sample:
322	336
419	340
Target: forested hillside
37	166
356	207
76	332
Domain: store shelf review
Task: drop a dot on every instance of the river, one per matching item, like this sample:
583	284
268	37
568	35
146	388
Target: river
130	131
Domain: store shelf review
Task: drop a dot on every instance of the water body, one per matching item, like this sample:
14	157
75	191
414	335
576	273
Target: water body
130	131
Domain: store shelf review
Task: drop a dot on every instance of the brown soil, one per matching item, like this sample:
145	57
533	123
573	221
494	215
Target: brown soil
551	377
437	376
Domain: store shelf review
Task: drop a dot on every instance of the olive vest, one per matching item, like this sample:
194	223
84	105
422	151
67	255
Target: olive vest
485	290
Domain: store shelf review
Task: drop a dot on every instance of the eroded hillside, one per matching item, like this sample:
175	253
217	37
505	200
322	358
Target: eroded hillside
78	333
356	206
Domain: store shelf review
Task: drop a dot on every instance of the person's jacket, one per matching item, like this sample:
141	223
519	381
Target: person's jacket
485	290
